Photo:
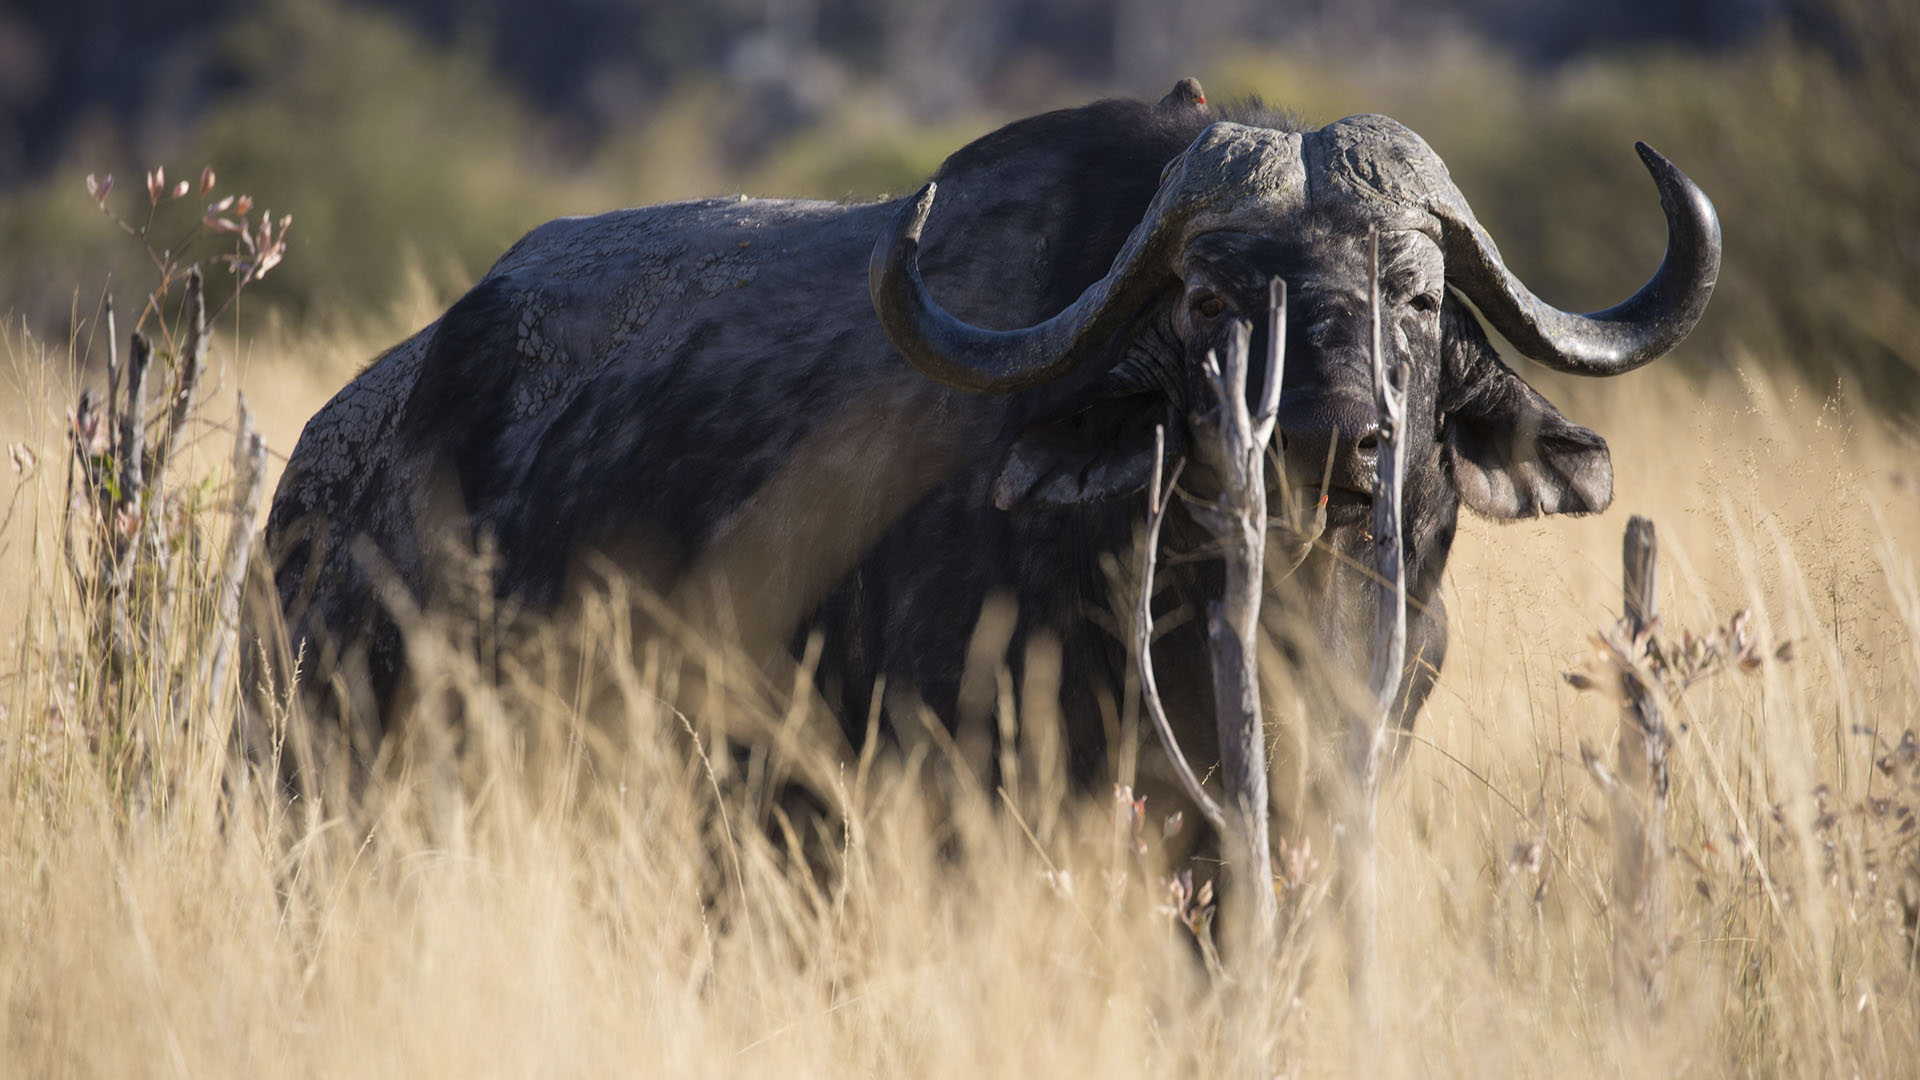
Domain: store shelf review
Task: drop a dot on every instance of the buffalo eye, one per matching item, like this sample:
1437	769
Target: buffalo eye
1426	302
1209	306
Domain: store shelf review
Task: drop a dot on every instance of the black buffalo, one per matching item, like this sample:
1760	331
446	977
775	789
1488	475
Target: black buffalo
866	420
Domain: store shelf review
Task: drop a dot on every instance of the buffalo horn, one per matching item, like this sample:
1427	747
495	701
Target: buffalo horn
980	361
1610	342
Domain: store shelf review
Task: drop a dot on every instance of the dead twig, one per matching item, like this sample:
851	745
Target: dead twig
249	484
1367	737
1639	799
191	362
1231	440
124	520
1158	499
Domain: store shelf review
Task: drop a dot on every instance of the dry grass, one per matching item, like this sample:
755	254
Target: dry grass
520	906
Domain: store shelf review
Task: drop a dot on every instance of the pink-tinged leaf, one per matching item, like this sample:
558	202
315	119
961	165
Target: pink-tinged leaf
222	224
84	421
180	189
220	207
206	179
156	184
1180	887
93	186
244	205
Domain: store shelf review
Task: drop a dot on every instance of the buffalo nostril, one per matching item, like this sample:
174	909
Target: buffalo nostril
1369	442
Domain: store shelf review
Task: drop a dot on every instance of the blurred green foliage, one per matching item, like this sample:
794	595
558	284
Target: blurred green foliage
392	153
383	150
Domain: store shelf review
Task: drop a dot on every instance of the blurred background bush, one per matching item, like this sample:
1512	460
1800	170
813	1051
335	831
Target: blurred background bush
416	139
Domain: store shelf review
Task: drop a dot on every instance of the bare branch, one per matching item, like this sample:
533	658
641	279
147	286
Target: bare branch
249	484
1269	407
1232	441
130	452
113	369
1367	736
1228	440
123	523
1158	500
1639	905
192	361
1390	620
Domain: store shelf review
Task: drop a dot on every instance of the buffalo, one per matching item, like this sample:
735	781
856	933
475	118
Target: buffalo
866	423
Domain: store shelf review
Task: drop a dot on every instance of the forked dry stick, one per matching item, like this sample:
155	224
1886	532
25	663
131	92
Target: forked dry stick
1231	439
1367	737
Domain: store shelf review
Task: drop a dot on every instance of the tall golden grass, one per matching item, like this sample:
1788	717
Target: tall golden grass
524	901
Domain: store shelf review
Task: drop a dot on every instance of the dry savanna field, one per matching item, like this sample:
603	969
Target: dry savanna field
579	883
508	909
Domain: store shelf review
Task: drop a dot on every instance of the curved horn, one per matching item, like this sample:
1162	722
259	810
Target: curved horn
1610	342
1001	361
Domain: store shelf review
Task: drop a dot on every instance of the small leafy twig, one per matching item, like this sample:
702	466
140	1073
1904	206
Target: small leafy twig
1194	908
124	532
257	248
1675	666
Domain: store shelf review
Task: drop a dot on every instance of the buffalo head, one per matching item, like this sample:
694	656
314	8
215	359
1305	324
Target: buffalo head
1244	205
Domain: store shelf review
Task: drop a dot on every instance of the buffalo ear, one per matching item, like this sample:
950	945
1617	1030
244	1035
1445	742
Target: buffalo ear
1508	450
1102	452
